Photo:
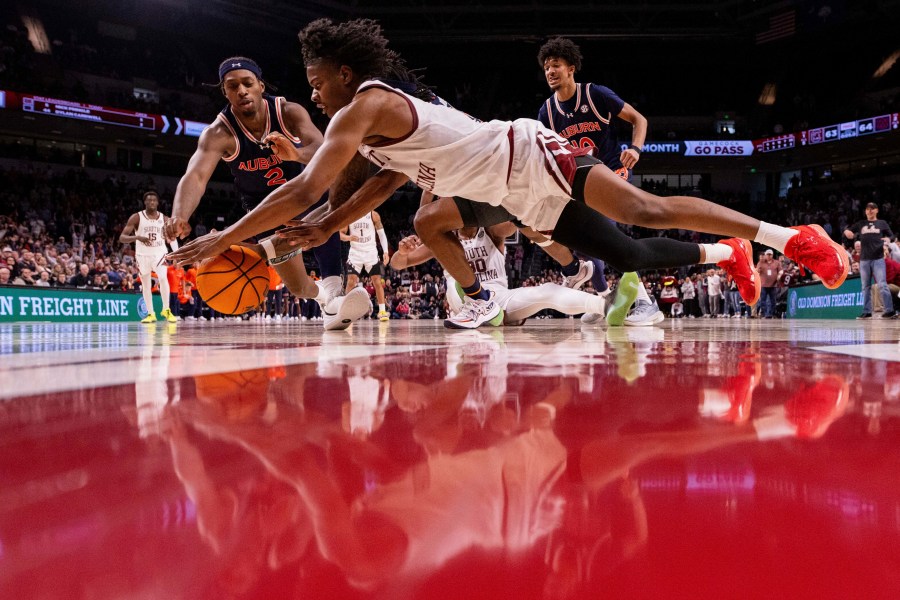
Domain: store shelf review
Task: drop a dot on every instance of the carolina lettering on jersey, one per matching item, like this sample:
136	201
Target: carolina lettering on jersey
427	177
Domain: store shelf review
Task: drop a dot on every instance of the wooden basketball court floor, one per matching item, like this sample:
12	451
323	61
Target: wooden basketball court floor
699	459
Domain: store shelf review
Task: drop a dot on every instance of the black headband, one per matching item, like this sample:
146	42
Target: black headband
241	63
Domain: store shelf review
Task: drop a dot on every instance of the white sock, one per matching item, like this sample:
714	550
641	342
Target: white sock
328	289
716	253
774	236
642	295
381	308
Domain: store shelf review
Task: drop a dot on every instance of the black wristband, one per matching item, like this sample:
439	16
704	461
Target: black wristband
637	149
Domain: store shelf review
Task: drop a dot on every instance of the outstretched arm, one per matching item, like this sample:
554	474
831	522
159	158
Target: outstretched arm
215	142
346	133
372	194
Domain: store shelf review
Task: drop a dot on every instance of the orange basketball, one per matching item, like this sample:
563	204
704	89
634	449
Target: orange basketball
234	282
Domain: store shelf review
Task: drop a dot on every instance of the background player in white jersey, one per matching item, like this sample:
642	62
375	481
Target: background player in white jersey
363	260
484	251
146	230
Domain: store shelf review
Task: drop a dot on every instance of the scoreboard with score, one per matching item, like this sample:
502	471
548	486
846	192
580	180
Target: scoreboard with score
104	115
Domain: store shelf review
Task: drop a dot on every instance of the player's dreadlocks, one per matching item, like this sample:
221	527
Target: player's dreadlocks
562	48
359	44
396	73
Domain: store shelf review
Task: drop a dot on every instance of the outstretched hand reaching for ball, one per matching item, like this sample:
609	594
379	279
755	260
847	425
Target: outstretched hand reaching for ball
282	146
211	244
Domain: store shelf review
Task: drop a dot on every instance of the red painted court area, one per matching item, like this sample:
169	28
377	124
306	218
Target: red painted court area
704	459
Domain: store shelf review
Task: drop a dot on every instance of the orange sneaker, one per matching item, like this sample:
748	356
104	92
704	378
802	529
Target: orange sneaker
741	268
813	249
817	406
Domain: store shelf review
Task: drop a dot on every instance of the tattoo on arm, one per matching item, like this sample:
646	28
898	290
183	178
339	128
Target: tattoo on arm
350	180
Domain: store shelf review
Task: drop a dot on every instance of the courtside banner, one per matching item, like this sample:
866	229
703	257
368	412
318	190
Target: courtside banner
64	305
718	148
815	301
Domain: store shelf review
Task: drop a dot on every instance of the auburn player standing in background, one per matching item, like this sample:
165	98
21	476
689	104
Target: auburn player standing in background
584	113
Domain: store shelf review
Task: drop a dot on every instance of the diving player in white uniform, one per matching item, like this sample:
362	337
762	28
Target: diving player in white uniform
363	259
145	229
484	251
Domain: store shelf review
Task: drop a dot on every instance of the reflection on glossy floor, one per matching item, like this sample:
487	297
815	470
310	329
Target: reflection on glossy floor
700	459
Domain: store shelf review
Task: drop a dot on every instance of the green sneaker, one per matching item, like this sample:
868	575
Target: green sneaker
626	293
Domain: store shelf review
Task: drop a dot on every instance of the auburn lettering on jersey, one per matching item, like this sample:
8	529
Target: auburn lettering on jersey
256	169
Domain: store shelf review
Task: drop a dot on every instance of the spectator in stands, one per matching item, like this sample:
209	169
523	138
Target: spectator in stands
872	233
43	279
892	270
768	269
689	297
4	276
25	278
82	279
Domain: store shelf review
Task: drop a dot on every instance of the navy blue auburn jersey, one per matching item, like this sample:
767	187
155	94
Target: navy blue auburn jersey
256	169
586	120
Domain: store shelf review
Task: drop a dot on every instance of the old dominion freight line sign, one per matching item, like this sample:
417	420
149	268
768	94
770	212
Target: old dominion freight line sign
26	303
818	302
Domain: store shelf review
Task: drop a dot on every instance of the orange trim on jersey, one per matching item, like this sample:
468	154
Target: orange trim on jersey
550	115
412	109
237	141
577	101
594	108
247	131
278	103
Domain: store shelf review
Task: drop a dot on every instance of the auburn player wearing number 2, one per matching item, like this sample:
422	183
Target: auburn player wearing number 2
254	134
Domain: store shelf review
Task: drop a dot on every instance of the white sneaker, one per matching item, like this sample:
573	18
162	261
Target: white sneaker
343	310
475	313
591	318
599	310
585	272
644	314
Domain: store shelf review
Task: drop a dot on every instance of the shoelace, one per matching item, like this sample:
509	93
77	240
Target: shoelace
472	309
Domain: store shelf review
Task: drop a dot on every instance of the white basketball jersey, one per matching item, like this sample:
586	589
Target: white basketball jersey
363	252
485	259
520	165
448	152
152	229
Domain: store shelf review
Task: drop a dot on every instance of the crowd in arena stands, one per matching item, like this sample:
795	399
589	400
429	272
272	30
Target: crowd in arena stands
59	228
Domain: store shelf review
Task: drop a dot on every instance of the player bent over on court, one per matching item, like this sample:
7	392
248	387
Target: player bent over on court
146	230
252	134
528	170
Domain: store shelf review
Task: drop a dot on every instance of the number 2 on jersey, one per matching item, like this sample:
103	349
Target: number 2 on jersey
275	177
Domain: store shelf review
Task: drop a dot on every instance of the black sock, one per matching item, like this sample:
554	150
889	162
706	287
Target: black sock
571	268
475	291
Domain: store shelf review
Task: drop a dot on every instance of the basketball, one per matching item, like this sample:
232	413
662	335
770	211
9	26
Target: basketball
234	282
